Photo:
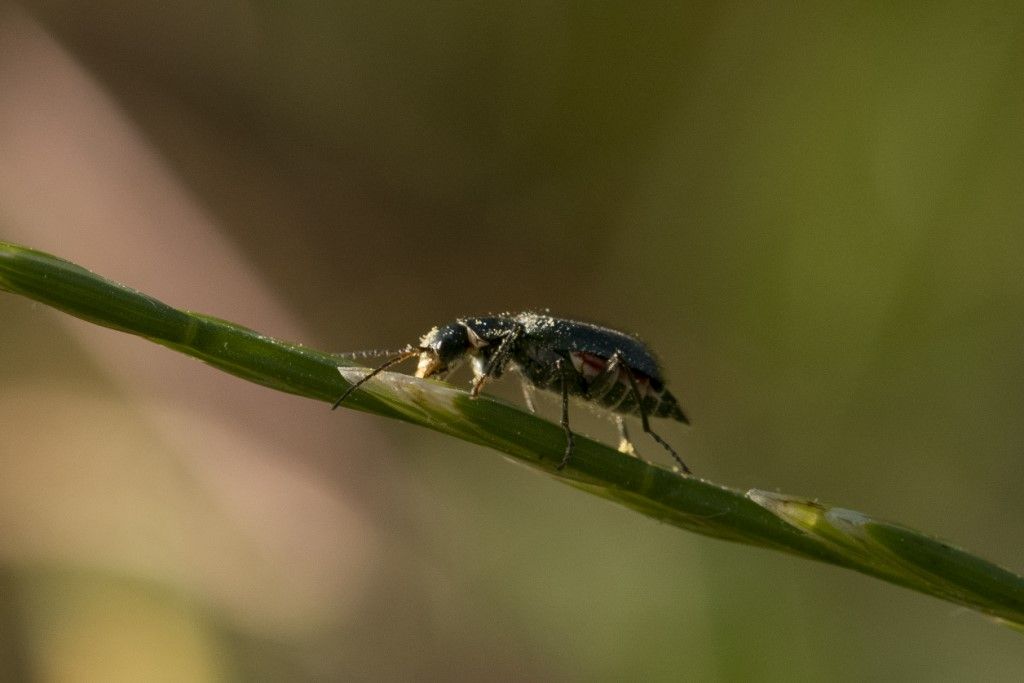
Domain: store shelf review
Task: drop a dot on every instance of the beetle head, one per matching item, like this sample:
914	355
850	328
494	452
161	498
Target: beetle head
443	348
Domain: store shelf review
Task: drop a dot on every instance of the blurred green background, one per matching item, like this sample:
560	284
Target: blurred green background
813	213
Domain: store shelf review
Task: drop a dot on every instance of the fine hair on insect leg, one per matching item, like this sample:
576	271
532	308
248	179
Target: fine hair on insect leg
403	356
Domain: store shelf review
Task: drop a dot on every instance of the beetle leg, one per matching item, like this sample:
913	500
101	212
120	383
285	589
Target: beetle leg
569	442
497	361
527	394
646	423
625	444
602	383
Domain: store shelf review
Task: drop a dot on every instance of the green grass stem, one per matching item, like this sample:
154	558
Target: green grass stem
768	520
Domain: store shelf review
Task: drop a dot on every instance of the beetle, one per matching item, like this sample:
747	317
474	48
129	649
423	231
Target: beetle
611	370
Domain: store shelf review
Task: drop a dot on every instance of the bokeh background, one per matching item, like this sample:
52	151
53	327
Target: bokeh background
813	213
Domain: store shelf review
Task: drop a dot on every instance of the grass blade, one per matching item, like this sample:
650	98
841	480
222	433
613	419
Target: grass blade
794	525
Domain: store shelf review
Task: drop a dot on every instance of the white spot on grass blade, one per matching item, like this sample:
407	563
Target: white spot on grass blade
848	519
396	387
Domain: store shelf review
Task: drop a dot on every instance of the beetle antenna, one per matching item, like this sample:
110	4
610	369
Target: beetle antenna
408	353
370	353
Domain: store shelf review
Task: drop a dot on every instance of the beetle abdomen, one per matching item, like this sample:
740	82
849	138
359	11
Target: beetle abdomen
617	396
614	391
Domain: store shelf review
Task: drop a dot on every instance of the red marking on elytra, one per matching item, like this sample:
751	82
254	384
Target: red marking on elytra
591	365
587	364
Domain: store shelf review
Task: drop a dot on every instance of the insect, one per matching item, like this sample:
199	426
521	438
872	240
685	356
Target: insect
609	369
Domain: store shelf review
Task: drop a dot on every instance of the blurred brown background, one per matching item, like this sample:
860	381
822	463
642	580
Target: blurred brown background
812	213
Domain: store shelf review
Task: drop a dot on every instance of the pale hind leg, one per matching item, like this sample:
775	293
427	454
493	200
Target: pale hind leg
646	423
625	443
527	394
601	385
570	443
604	381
